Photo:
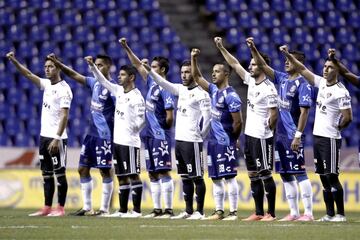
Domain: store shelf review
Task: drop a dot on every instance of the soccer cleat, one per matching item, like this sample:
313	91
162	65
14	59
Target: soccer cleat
196	216
42	212
154	213
325	218
253	217
289	218
338	218
183	215
82	212
305	218
231	217
116	214
100	213
59	211
268	218
131	214
168	213
216	215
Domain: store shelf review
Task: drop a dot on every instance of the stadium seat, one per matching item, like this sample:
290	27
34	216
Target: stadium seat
105	4
36	64
178	52
167	35
345	5
71	50
157	49
350	52
83	4
105	34
81	66
353	19
345	35
269	19
280	35
16	33
129	34
83	34
27	16
225	20
148	5
49	17
7	18
313	19
60	34
71	17
234	36
259	5
335	19
310	51
60	4
280	5
25	84
324	35
27	49
22	140
12	126
247	20
115	50
127	5
38	4
93	18
48	47
301	35
148	35
158	19
291	19
15	97
324	5
115	18
38	33
215	5
33	126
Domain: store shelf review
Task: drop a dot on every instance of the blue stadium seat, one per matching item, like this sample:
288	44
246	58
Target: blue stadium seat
16	33
60	4
36	64
259	5
38	33
353	19
324	5
167	35
15	97
234	36
35	97
33	126
137	19
93	49
345	35
83	34
269	19
237	5
281	5
301	35
5	47
310	51
60	33
129	34
291	19
115	18
25	84
38	3
4	110
178	51
27	49
243	52
115	50
49	17
7	18
157	19
83	4
12	126
215	5
148	5
139	49
345	5
81	66
105	4
24	111
324	35
351	52
4	139
48	47
93	18
23	140
248	19
27	17
105	34
71	17
148	35
335	19
72	50
15	4
225	20
127	5
313	19
157	49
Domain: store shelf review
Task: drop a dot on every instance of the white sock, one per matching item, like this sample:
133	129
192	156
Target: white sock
307	196
167	190
219	194
233	190
86	189
156	193
107	190
292	195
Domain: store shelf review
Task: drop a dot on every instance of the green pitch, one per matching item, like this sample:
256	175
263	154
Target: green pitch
14	224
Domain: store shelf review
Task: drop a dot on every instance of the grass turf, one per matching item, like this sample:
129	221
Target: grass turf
15	224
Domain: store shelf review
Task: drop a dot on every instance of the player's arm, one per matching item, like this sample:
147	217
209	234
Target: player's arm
139	121
259	60
304	113
195	70
23	70
71	73
169	118
100	77
237	123
205	108
300	68
344	71
54	144
230	59
161	81
134	59
346	118
273	118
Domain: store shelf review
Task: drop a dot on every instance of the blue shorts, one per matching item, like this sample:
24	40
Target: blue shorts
286	160
222	160
96	152
157	154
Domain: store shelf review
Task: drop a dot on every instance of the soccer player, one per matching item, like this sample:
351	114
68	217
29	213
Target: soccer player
295	100
53	137
96	150
260	123
192	125
156	135
333	113
226	121
129	119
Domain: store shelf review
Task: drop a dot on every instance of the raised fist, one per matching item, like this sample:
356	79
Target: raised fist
123	42
218	42
195	52
10	55
89	59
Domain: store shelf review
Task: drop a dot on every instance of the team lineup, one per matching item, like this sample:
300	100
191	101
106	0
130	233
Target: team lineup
278	103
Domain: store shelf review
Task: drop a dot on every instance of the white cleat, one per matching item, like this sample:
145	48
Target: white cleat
131	214
116	214
183	215
196	216
325	218
338	218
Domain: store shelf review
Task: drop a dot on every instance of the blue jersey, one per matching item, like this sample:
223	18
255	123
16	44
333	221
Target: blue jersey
223	103
158	100
293	94
102	110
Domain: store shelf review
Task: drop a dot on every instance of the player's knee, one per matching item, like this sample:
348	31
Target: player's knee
164	173
135	178
123	180
105	173
285	177
154	177
198	181
84	172
47	174
60	171
334	182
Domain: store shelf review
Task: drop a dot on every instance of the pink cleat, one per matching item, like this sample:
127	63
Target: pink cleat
305	218
268	218
46	210
59	211
289	218
252	217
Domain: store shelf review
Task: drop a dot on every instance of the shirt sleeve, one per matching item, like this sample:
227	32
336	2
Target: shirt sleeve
344	100
305	94
317	80
247	79
169	100
212	89
271	98
44	83
234	102
90	82
139	110
65	98
278	77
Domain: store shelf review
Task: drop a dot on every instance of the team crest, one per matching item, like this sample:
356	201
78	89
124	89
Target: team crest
104	91
292	89
221	99
328	95
156	92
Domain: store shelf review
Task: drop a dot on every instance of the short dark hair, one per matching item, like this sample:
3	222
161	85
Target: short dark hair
129	69
265	57
163	62
185	63
227	67
298	55
106	58
56	57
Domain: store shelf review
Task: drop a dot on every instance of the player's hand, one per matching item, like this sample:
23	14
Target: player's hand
10	55
147	67
52	57
284	49
195	52
238	144
145	61
295	144
331	53
53	147
218	42
123	42
89	60
250	42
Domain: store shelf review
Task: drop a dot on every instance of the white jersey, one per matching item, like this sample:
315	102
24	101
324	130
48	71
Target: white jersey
260	98
56	97
330	100
191	105
129	117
